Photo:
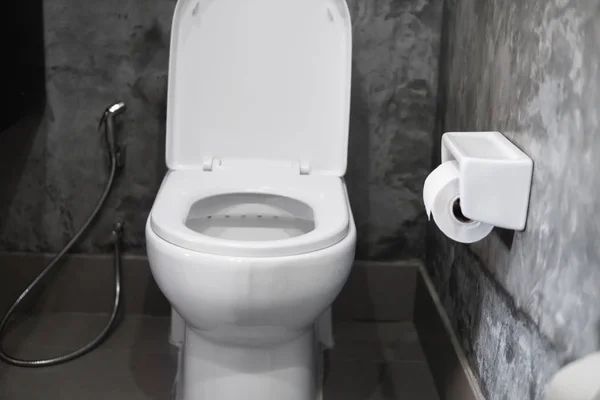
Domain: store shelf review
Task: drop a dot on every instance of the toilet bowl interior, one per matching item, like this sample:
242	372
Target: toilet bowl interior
250	217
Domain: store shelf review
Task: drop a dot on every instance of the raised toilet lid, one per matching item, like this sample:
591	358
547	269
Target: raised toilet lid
262	80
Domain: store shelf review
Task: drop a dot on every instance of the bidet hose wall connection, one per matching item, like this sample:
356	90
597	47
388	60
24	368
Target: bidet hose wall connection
108	122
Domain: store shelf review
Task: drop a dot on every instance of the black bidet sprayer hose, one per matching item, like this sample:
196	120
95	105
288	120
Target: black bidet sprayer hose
107	121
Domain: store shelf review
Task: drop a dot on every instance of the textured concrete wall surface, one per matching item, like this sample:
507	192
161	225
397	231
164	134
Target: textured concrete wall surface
525	303
102	51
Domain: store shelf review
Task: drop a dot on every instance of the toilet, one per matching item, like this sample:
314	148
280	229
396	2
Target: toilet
251	235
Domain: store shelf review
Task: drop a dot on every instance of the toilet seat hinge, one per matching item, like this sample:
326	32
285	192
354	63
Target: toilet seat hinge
207	163
212	164
304	167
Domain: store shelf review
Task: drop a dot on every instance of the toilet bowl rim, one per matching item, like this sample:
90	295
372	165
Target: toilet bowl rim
152	237
326	196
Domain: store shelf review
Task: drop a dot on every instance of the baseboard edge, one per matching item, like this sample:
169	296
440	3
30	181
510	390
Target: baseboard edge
452	374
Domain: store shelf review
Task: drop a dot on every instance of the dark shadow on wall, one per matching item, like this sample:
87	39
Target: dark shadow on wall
598	333
443	99
149	94
160	159
358	171
356	302
24	99
442	95
22	40
506	236
161	166
431	246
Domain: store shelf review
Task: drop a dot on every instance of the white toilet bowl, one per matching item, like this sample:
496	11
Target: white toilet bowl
250	320
251	235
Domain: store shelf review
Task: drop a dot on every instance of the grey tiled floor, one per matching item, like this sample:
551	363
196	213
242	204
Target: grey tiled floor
370	361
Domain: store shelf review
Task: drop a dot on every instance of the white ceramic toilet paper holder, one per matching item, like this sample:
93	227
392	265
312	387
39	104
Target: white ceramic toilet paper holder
495	177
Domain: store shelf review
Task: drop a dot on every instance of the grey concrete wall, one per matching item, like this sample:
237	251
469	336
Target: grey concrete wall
54	168
525	304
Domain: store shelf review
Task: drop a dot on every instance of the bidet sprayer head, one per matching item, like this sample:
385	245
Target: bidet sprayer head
116	108
108	119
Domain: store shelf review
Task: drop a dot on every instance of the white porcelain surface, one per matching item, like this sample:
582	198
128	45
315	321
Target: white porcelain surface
261	79
213	370
249	299
579	380
495	177
251	236
184	194
247	313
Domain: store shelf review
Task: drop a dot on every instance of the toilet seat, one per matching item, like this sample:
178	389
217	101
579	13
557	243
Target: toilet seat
324	195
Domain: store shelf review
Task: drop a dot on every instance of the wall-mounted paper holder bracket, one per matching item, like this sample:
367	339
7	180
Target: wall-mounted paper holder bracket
495	177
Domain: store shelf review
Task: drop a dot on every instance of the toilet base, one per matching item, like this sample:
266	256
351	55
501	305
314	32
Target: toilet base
291	370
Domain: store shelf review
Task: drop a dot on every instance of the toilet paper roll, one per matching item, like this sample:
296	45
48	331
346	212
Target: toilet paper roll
442	200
